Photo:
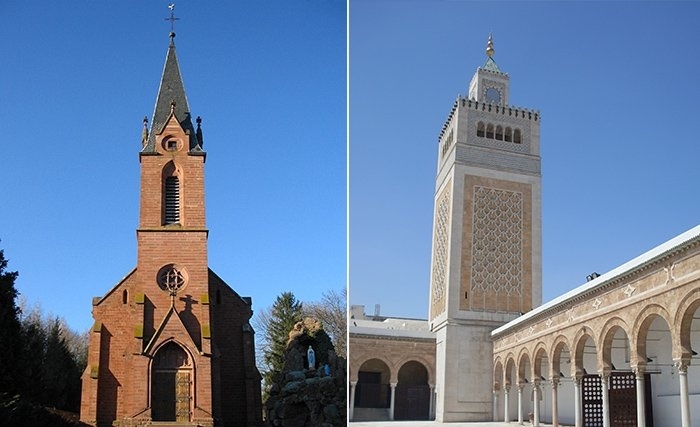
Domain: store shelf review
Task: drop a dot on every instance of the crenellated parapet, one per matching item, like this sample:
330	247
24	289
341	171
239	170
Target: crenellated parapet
507	111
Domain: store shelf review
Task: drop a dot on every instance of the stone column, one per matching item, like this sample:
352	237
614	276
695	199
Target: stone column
520	403
555	401
431	411
495	405
641	401
604	380
353	384
536	403
391	404
682	366
578	411
506	415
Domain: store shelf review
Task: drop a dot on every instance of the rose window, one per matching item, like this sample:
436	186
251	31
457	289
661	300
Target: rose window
172	278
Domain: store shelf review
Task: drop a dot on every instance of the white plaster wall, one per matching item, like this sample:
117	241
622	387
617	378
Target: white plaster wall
465	394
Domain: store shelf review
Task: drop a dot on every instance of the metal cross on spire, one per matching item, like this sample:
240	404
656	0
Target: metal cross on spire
172	18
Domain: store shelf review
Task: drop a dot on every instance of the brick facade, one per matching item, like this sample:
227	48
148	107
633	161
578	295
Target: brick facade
171	341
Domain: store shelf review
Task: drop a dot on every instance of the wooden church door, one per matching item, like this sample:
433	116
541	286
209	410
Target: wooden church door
182	395
171	384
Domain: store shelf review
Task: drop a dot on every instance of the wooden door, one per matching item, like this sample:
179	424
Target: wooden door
182	396
592	401
412	402
171	389
163	396
623	399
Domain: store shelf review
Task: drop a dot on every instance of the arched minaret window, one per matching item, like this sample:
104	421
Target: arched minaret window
499	133
489	131
125	296
171	195
480	129
516	137
509	135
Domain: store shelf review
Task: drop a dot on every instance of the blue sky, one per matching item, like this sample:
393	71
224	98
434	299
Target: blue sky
268	79
616	84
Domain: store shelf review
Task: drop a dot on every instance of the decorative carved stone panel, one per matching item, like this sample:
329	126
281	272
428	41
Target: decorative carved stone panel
441	236
496	246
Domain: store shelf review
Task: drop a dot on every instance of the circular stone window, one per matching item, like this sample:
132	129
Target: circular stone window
172	278
171	144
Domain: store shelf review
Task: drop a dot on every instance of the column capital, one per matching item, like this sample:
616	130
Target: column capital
682	365
393	385
555	381
521	386
639	371
353	383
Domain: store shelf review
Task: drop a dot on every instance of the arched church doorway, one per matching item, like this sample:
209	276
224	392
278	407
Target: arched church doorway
412	392
171	384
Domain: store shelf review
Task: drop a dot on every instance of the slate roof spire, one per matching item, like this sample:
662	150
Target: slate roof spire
171	99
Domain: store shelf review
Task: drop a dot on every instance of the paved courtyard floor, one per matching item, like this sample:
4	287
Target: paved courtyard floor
434	424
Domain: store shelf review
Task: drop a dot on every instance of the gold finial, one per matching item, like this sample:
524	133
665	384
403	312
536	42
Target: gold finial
489	47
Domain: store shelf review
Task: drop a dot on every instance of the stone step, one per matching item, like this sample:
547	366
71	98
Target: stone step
170	424
370	414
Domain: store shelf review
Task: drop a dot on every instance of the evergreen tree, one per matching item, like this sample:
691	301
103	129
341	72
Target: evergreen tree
61	376
285	312
34	352
10	330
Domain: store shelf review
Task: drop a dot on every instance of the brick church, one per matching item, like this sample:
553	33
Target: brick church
171	343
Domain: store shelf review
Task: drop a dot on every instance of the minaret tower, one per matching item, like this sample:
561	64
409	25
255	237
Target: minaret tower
171	341
486	252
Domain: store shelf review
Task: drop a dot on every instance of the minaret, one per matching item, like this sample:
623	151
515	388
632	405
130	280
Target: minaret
486	252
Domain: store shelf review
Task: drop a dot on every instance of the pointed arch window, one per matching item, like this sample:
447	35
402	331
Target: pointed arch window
517	138
171	193
172	200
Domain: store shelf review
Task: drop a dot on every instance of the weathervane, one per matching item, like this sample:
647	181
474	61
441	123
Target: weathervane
172	18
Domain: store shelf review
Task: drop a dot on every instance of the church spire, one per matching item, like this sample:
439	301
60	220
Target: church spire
171	99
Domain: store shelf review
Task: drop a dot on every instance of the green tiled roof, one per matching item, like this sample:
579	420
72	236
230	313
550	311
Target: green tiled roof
491	65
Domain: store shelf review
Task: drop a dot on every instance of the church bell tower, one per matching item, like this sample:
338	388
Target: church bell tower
486	251
171	342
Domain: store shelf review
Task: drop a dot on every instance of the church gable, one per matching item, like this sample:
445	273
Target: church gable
171	328
171	136
221	291
121	289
